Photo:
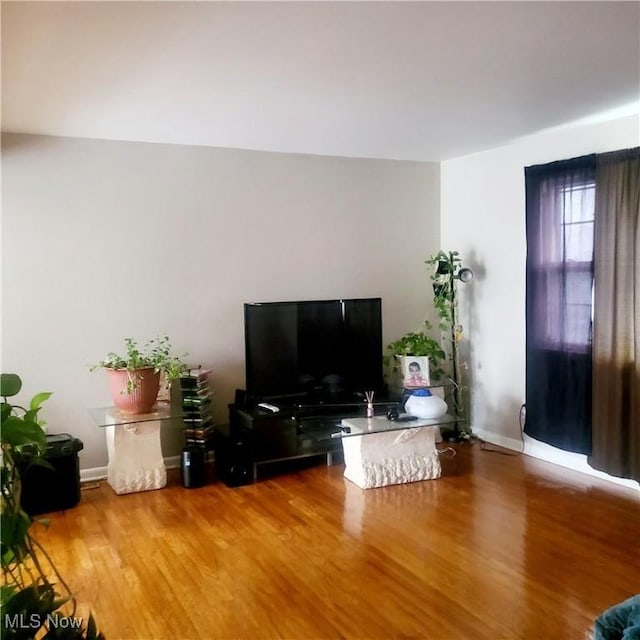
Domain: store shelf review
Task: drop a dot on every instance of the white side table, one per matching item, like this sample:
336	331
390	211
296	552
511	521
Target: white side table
134	447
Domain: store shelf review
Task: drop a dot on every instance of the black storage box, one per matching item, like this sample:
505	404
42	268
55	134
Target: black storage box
45	489
233	456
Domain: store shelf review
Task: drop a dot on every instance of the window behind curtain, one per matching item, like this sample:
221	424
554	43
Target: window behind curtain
559	308
568	269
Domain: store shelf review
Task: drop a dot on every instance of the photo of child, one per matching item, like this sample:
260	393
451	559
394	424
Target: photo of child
416	372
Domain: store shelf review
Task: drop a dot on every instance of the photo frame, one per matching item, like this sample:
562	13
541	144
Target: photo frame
415	372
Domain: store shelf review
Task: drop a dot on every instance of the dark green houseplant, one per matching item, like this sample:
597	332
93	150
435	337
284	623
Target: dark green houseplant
447	272
34	599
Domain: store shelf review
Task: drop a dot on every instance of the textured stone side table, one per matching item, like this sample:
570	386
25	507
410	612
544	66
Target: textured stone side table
134	447
379	452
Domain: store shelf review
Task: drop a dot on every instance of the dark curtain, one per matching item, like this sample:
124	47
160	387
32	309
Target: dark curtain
616	341
559	287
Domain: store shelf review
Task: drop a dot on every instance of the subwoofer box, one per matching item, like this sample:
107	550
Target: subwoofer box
46	489
233	456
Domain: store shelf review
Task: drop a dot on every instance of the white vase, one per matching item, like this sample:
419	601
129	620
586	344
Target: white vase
423	404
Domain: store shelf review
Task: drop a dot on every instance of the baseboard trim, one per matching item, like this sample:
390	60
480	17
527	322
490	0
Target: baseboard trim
93	474
502	441
574	461
172	462
100	473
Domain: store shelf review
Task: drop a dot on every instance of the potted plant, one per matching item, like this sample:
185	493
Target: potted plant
134	377
443	354
34	600
415	344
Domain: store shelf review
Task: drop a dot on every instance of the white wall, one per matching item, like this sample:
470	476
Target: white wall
483	217
104	240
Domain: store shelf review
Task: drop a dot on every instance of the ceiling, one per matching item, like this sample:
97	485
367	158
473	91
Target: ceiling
421	81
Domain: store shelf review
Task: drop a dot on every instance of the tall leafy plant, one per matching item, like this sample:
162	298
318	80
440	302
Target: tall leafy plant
447	271
34	599
443	351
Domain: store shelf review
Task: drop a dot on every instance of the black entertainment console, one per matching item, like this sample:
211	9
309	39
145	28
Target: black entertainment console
257	436
312	360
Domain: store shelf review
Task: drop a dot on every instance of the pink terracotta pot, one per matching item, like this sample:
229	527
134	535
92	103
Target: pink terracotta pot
140	398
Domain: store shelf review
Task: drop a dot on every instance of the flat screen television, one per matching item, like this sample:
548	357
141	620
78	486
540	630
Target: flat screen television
313	351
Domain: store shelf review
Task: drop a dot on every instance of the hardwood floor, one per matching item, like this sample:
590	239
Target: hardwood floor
502	546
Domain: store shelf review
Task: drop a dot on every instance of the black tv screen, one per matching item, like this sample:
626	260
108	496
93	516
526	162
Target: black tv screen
321	350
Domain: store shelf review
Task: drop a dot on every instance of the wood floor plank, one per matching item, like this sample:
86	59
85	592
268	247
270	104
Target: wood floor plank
502	546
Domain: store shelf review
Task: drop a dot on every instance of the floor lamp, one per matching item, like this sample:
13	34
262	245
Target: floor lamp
449	271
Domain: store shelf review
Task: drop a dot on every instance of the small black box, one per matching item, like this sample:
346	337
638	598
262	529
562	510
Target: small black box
45	489
233	456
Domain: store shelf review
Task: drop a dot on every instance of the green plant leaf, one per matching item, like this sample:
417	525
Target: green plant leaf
38	399
92	630
8	558
10	384
6	591
17	431
34	599
14	529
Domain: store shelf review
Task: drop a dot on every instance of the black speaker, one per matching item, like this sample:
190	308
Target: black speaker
55	487
193	467
240	399
233	456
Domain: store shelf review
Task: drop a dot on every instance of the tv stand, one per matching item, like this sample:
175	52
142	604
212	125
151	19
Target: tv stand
298	430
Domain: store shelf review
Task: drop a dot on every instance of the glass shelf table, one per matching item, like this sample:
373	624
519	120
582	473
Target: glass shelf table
134	447
379	452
